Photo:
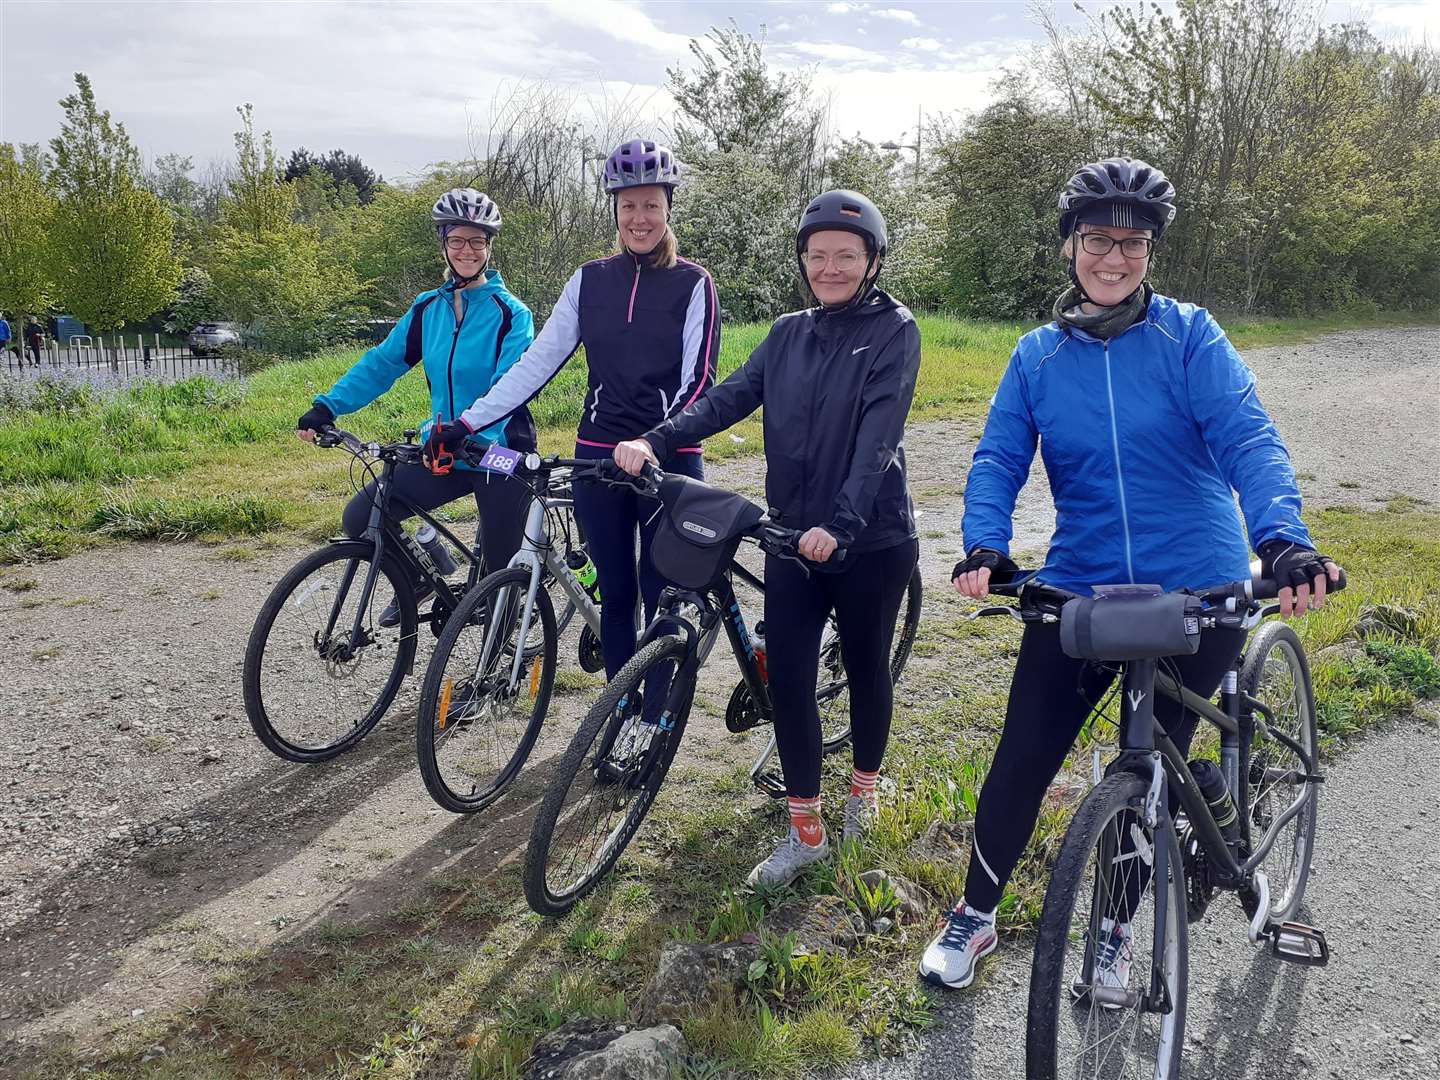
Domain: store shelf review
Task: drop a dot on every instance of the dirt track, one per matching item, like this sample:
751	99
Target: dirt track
139	812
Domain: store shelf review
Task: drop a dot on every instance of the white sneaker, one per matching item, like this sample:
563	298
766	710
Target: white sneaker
785	863
950	958
1113	959
859	818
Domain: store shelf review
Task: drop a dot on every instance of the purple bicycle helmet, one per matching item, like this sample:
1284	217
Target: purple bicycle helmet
466	206
640	163
1123	192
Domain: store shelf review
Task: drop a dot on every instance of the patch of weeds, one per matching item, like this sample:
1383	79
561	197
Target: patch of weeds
18	585
1407	667
934	534
735	916
210	594
570	680
49	652
1403	504
1349	485
330	932
155	744
380	854
30	603
78	601
823	1037
180	517
501	1048
237	553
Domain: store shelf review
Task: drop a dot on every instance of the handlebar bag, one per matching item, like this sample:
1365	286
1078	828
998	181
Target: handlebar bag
700	528
1130	622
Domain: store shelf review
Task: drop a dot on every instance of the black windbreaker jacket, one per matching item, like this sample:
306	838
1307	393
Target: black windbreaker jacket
836	387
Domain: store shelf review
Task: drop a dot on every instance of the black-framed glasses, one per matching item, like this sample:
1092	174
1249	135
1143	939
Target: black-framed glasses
476	243
1132	247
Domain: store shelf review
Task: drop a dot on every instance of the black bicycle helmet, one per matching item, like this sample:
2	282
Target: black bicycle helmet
848	210
1123	192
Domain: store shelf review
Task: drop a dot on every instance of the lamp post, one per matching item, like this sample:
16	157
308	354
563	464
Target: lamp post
891	144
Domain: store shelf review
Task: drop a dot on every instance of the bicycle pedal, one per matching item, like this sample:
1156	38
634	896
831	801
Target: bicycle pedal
1297	943
771	784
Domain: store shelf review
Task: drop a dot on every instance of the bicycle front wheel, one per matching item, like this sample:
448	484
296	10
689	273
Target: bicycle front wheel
605	783
1277	675
481	712
1104	1000
832	691
316	679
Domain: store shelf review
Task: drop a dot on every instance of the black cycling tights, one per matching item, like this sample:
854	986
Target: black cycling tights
866	598
502	503
1051	694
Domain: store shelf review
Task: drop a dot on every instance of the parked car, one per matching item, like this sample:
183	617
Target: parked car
207	339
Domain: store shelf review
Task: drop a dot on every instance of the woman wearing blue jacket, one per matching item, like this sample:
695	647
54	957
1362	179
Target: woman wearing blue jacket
464	335
650	325
1147	421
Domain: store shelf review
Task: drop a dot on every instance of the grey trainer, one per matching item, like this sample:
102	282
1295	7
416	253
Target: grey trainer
785	863
859	818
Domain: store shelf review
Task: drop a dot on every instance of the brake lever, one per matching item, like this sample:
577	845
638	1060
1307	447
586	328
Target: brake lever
995	609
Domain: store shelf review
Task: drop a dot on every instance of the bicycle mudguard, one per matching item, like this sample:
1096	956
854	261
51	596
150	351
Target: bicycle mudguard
1130	622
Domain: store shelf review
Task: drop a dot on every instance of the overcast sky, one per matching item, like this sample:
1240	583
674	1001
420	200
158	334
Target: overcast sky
406	84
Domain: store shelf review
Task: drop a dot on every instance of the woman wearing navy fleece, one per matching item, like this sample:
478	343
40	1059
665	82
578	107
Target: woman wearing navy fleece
650	325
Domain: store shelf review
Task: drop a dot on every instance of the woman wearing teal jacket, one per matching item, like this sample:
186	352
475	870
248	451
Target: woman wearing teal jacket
465	335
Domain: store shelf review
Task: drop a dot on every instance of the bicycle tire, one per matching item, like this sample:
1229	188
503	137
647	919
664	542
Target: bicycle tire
587	756
1121	794
461	736
1259	679
907	628
263	715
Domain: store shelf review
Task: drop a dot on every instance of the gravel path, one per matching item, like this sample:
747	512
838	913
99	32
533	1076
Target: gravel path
137	810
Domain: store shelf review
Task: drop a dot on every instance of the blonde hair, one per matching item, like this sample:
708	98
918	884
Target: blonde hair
663	256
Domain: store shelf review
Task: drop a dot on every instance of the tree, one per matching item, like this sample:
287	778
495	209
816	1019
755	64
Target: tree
344	169
194	302
391	244
259	201
27	214
113	239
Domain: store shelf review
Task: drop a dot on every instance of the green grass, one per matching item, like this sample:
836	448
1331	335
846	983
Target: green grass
209	460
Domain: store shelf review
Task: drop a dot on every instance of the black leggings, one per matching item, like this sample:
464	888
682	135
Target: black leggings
1051	695
866	598
501	501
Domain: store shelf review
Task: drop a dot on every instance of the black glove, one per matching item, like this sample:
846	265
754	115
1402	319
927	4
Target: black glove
1000	566
318	417
1289	564
452	435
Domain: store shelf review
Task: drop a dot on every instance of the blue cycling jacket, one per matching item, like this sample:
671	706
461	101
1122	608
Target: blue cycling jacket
462	361
1144	439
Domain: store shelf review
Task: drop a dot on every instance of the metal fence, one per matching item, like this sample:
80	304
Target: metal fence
118	357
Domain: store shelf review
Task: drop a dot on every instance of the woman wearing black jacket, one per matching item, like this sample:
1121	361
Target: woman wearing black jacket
836	382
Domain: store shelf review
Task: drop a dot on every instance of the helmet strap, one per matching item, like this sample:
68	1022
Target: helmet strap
462	280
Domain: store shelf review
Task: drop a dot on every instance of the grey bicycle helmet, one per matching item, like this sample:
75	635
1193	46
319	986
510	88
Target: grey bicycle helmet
466	206
847	210
640	163
1123	192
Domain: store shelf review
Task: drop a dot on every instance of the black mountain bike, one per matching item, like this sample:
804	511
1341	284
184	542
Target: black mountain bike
1108	985
320	669
612	770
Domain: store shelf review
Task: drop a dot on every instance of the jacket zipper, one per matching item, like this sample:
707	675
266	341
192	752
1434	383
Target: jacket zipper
634	287
454	340
1119	472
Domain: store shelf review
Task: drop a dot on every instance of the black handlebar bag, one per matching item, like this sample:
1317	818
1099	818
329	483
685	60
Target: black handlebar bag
700	528
1130	622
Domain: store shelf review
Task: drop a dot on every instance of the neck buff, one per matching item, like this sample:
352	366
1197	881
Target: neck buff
1104	322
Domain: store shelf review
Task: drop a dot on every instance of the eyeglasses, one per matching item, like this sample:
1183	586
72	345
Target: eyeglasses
841	260
458	243
1132	247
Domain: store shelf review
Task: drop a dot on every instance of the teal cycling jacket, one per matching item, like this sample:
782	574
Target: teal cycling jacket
1145	439
461	361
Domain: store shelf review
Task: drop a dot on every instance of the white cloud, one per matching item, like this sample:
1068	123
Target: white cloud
898	14
1416	20
998	17
833	50
842	8
924	44
621	20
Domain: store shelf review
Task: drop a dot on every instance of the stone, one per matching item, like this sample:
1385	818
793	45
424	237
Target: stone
1375	619
914	901
819	923
689	977
1344	653
944	841
589	1049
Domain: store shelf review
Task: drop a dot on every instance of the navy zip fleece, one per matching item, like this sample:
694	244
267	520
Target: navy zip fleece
836	387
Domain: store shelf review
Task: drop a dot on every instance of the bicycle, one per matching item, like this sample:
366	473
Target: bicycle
612	770
483	701
320	670
1129	873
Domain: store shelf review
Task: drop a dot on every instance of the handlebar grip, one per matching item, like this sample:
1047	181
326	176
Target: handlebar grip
1262	588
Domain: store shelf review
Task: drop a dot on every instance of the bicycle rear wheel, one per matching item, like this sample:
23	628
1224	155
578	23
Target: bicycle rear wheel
313	687
605	783
832	692
1099	916
1277	675
479	716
